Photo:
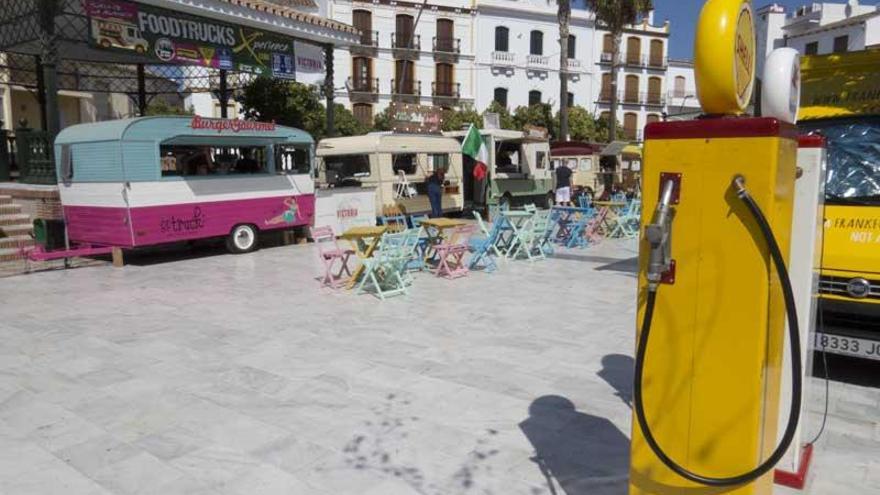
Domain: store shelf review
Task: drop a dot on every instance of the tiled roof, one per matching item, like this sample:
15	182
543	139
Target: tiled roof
275	7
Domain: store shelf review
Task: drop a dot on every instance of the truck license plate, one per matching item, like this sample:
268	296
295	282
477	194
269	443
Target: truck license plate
847	346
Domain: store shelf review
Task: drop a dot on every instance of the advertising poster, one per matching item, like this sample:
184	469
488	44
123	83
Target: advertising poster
177	38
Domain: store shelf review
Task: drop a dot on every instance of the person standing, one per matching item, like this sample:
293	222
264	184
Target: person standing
563	185
435	192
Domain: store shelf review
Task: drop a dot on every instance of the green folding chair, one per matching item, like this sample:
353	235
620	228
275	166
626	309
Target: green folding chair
385	272
531	237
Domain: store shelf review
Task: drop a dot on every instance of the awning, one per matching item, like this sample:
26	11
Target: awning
615	148
632	150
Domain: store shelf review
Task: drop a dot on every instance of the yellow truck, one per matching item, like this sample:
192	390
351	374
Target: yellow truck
840	100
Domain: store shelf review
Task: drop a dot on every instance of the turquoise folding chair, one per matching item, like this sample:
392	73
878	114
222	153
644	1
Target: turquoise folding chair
626	224
494	232
584	201
385	272
531	237
395	223
482	247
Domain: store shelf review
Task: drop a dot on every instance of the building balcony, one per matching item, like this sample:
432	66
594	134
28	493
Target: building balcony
606	58
406	46
445	94
363	89
573	65
656	63
368	45
630	97
538	62
605	96
654	99
446	49
634	60
408	92
503	59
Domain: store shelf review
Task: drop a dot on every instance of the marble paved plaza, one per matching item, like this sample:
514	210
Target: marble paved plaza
223	374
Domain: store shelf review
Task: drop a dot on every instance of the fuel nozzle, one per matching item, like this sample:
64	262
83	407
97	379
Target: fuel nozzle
658	233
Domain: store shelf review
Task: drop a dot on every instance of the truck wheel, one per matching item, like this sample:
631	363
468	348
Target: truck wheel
242	239
550	200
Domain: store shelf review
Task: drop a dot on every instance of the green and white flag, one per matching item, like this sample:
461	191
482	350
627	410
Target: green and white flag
474	147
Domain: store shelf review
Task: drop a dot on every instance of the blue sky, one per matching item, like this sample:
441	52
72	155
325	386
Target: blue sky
683	16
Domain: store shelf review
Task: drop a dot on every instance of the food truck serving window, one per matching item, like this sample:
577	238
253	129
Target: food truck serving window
404	161
507	158
339	167
292	160
189	160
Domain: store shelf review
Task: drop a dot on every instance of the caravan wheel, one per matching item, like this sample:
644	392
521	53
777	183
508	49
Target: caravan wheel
242	239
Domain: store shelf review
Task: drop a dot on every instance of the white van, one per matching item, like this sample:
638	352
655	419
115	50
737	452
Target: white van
397	165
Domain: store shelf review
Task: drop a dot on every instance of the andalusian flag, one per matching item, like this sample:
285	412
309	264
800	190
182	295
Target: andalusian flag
474	147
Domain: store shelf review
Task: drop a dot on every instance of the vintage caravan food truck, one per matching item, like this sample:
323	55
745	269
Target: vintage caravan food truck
397	165
153	180
583	160
519	169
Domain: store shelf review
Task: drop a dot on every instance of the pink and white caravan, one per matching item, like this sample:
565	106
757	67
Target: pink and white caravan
154	180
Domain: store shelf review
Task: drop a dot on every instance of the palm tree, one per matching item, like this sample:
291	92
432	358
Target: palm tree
614	15
563	15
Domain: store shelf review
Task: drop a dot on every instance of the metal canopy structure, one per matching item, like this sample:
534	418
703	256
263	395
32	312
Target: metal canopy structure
51	45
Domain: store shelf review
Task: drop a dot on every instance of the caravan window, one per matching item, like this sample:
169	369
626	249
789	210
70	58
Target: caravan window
292	160
406	162
187	161
340	167
586	164
440	162
507	158
541	159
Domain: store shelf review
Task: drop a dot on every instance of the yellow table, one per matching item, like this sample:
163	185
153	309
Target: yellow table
365	240
434	229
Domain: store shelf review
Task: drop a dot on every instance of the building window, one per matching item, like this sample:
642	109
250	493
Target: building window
445	36
841	44
404	75
811	48
652	117
570	99
631	89
363	20
362	74
444	80
680	86
655	90
534	97
656	59
536	43
572	43
633	50
630	126
607	44
404	31
605	95
363	112
501	39
501	96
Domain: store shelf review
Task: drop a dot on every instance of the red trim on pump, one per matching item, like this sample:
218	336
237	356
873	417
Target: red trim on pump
721	127
811	141
799	479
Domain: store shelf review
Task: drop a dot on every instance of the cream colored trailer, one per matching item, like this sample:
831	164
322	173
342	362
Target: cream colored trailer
397	165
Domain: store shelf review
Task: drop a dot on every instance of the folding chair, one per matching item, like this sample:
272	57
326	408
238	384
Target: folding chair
330	253
384	272
395	223
579	228
403	188
531	237
493	233
584	201
450	253
482	247
626	223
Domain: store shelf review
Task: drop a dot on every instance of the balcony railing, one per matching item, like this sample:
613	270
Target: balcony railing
652	98
606	58
605	95
656	62
369	39
406	42
538	61
573	64
503	58
408	92
629	97
443	44
363	84
634	59
443	89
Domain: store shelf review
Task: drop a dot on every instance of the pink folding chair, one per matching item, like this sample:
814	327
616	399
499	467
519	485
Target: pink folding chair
451	252
596	225
330	252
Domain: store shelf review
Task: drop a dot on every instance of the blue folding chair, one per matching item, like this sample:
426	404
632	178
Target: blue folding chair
482	247
395	223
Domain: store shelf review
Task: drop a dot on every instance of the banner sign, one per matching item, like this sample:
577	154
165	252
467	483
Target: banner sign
309	58
234	125
415	119
174	37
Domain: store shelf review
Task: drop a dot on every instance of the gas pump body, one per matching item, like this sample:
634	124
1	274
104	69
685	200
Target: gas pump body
712	375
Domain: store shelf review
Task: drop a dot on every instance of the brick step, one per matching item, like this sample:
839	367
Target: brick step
16	241
14	230
5	199
11	254
11	208
15	219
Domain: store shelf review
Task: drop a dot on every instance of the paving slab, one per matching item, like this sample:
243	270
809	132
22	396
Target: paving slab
223	375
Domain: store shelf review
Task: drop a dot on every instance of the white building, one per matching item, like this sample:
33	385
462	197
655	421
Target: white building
818	28
682	101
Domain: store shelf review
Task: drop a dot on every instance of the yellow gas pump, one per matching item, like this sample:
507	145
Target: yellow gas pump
714	291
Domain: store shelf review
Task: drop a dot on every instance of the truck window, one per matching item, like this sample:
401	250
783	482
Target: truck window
853	176
340	167
439	162
404	161
191	161
292	160
540	159
507	158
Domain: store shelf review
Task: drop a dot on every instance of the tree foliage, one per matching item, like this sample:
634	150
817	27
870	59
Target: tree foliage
161	107
540	115
296	105
456	120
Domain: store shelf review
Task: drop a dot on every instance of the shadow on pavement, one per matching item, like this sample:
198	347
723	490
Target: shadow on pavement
617	371
629	265
577	453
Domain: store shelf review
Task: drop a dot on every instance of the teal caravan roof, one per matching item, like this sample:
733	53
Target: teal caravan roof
182	130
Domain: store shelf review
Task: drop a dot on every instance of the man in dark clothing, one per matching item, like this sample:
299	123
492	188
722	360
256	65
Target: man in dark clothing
435	193
563	185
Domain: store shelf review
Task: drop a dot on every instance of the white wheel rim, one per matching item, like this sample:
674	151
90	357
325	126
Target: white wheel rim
243	238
